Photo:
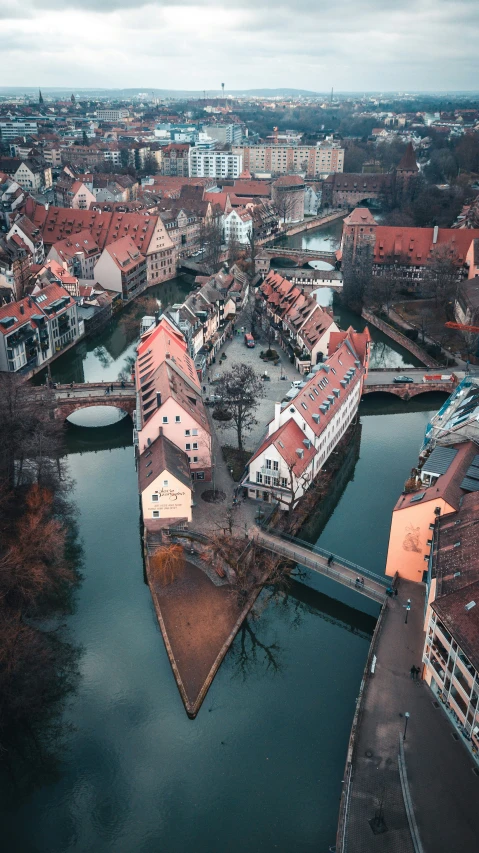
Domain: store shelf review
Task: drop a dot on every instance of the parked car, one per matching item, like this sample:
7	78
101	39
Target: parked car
296	383
403	379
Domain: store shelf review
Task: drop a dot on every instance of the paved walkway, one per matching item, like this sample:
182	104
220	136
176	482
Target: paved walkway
343	574
444	791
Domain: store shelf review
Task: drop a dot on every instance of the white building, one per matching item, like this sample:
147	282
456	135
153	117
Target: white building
321	410
209	163
38	326
112	115
237	226
12	129
228	134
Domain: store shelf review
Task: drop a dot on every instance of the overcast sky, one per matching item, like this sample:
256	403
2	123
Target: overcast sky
352	45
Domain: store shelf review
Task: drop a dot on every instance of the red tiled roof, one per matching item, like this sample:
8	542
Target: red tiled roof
448	486
287	440
417	244
359	341
408	162
360	216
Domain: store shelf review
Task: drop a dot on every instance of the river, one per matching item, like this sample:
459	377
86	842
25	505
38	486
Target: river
260	769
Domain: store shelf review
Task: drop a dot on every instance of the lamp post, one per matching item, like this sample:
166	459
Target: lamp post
406	716
408	607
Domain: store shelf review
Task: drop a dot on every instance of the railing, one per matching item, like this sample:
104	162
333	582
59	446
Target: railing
386	582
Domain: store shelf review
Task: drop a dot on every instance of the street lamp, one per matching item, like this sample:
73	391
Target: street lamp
408	607
406	716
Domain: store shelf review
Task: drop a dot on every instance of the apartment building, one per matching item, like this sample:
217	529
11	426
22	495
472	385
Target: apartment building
306	429
451	649
12	129
312	160
112	114
33	329
78	254
174	160
209	163
238	226
227	134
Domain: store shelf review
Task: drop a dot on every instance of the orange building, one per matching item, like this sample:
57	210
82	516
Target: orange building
440	492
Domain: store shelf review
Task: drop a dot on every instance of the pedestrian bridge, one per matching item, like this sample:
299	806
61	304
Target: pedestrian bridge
315	558
298	257
70	398
408	390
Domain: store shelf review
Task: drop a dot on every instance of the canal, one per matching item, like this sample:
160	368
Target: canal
260	769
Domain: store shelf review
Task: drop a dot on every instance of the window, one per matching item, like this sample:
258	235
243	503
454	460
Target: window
188	446
165	482
284	482
259	477
177	419
267	480
268	464
195	459
165	419
275	466
187	432
200	475
156	513
155	498
195	445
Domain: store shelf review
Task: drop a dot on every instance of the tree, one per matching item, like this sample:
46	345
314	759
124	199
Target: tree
235	250
211	240
166	563
150	164
85	140
442	274
297	483
240	390
285	204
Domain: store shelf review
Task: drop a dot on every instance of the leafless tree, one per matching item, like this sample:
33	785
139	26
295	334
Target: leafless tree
240	390
211	240
442	275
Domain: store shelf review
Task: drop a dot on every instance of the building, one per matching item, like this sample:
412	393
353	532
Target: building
31	236
169	397
227	134
210	163
451	649
382	250
81	197
174	160
12	197
164	481
147	232
17	127
15	261
32	174
311	160
306	429
78	254
288	194
122	268
238	226
433	490
37	327
112	114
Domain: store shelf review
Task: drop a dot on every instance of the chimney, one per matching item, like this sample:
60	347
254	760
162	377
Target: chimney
158	399
157	318
22	309
434	235
160	430
277	413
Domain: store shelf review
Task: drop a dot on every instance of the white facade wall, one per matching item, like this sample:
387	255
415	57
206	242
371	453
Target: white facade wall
214	164
235	228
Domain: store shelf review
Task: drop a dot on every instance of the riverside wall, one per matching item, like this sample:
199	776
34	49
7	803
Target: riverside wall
401	339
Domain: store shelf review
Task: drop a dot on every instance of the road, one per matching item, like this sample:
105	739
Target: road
386	377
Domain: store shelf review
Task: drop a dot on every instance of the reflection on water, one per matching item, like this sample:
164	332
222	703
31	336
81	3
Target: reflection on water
96	416
103	356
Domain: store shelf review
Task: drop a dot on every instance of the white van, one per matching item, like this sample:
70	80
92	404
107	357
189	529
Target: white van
296	383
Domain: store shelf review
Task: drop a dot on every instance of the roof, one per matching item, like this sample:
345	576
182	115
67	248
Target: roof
408	162
360	216
439	460
416	245
252	188
125	254
162	455
24	311
168	382
448	486
288	181
81	242
359	341
287	440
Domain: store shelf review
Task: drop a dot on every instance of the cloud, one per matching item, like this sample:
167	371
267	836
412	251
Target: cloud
195	44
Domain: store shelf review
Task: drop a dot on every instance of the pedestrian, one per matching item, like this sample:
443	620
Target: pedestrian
395	590
412	671
362	581
358	581
204	389
112	387
416	673
330	559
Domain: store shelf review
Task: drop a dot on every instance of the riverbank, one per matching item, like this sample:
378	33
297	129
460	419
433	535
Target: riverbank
395	796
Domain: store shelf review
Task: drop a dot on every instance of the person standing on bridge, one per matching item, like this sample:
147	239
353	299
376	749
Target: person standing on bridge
330	560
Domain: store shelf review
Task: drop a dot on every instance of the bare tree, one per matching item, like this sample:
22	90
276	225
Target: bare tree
297	483
442	275
166	563
211	239
240	390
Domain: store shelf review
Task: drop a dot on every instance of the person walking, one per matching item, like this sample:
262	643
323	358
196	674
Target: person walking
412	672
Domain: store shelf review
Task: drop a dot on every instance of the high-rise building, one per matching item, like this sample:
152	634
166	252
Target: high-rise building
209	163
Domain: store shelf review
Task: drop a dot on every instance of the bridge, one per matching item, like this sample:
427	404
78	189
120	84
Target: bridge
70	398
382	381
298	257
315	558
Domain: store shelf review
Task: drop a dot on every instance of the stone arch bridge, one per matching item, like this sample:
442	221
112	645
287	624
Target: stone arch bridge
299	257
70	398
408	390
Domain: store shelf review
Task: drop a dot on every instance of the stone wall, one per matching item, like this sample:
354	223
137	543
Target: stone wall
401	339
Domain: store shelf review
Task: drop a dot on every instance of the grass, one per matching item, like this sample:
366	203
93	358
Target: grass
235	459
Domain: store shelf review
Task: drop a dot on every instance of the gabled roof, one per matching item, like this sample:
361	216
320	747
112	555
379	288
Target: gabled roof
359	340
360	216
448	486
417	245
125	254
287	440
162	455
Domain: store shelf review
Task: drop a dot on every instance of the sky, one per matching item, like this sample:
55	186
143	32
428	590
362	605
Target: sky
353	45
